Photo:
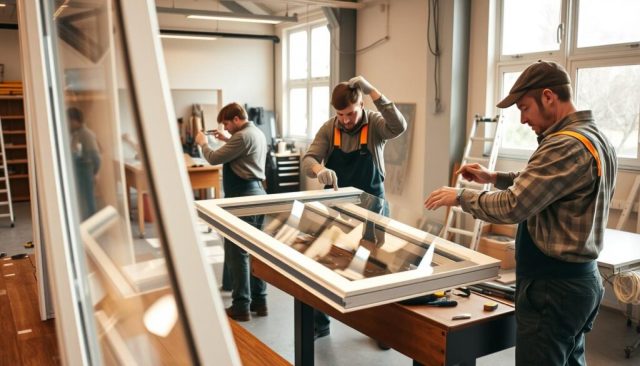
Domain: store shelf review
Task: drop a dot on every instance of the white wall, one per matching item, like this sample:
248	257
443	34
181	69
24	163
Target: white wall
398	68
9	54
242	68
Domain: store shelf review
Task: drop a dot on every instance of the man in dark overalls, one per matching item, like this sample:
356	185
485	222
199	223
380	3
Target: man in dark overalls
351	146
561	202
243	157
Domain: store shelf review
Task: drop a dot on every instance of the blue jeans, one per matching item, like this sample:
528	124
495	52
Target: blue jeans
246	289
552	317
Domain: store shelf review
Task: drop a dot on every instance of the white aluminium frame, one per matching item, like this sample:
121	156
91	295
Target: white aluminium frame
342	294
196	285
71	341
205	322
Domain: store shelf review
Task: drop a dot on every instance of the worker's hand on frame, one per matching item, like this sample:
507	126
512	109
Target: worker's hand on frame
443	196
362	83
201	138
477	173
328	177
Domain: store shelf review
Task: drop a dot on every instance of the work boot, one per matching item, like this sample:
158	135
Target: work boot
383	346
240	316
259	309
319	333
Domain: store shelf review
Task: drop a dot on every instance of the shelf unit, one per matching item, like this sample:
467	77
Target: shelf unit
15	140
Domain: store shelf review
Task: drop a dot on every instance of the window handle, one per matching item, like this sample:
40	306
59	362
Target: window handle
560	33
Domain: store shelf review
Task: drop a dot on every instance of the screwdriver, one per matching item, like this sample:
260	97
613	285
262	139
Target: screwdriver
443	303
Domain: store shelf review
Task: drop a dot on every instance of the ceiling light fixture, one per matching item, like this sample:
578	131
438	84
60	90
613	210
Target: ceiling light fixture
186	36
226	16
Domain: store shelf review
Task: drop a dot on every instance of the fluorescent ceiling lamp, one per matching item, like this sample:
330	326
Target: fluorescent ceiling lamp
234	19
186	36
227	16
2	5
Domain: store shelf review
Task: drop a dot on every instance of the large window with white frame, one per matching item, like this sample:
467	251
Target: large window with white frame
307	72
598	42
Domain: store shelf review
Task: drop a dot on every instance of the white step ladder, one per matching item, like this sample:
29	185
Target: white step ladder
482	147
5	187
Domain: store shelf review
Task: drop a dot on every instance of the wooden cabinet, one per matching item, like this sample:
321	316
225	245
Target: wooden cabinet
15	144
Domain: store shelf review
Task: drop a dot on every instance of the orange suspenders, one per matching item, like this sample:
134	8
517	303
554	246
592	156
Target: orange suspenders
585	141
363	136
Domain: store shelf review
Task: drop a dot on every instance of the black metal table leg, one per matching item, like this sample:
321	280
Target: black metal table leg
303	333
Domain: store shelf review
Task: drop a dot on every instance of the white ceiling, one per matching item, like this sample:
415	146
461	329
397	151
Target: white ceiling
263	7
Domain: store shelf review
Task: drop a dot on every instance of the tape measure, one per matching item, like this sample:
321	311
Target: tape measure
490	306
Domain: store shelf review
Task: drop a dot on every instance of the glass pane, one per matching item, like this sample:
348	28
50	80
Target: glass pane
343	245
530	26
132	300
344	240
320	107
517	136
613	95
298	112
608	22
320	47
298	55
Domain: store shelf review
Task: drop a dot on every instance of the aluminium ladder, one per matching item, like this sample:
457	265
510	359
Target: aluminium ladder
482	147
5	187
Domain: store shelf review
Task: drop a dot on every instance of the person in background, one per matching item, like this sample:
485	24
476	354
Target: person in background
348	149
561	202
243	157
86	161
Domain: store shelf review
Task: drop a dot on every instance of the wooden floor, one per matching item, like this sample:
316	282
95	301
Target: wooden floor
24	338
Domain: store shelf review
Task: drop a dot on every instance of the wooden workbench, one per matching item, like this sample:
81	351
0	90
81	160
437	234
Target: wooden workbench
425	334
201	177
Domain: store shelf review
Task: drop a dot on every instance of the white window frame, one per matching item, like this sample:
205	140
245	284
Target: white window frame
343	294
205	322
309	82
569	56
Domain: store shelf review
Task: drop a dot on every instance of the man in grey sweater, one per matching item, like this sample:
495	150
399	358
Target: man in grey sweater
243	157
351	146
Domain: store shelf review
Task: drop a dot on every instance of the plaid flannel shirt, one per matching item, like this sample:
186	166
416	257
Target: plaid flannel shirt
559	193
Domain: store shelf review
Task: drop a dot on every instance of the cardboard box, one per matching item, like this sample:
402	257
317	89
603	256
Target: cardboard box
497	229
498	241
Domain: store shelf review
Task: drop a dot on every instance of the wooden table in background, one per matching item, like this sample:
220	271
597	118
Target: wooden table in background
201	177
425	334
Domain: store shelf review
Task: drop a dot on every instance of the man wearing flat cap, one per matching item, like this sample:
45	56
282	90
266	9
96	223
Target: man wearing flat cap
561	202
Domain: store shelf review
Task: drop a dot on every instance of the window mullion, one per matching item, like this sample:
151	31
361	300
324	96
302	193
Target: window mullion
308	83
